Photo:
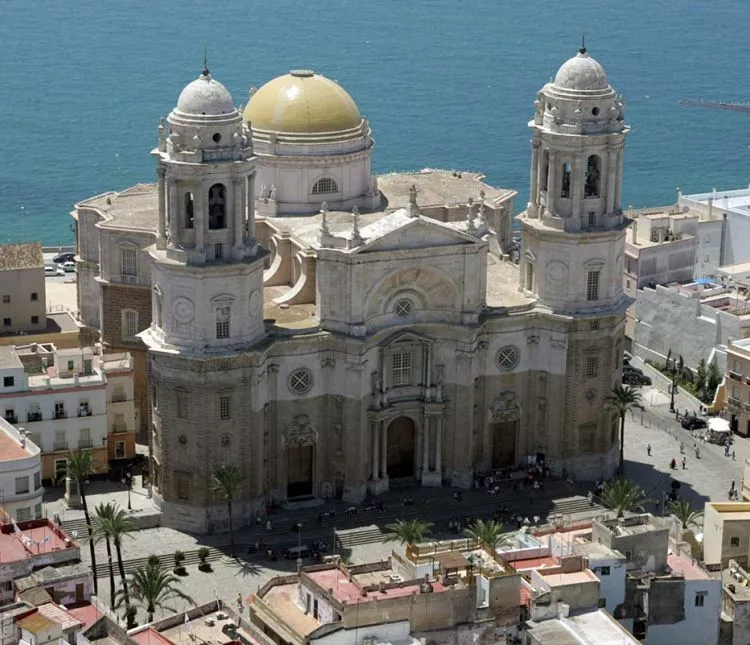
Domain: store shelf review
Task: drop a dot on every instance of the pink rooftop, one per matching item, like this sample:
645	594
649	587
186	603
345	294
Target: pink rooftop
10	448
682	565
12	549
345	591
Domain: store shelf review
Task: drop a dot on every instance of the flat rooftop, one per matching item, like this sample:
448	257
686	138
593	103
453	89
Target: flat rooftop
581	629
42	537
350	592
731	511
135	208
9	357
736	201
10	447
557	579
21	256
201	629
681	565
282	600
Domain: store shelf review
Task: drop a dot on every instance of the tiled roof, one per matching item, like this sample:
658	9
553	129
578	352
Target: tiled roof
21	256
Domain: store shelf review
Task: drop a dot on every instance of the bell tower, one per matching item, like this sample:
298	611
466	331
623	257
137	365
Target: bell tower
207	273
573	227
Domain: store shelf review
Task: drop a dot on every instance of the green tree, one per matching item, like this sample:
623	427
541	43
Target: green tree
408	531
100	533
701	374
685	514
490	532
116	524
79	467
154	586
227	482
623	495
621	399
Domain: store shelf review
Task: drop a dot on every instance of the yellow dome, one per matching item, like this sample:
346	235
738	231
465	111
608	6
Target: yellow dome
302	102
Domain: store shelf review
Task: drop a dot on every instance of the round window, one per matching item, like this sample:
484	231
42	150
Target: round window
403	308
595	111
216	137
507	357
182	439
226	440
300	382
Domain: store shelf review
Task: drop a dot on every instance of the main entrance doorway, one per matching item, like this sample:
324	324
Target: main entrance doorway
299	471
401	434
504	443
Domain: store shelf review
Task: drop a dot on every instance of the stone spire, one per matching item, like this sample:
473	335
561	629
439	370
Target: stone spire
470	216
324	233
355	238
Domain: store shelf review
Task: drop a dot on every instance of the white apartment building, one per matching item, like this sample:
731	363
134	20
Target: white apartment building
20	475
62	407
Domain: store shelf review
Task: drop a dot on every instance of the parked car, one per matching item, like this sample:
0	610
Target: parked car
69	266
61	258
629	369
693	423
53	271
634	378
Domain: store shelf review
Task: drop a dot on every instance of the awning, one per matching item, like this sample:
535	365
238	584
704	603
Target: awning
717	424
452	560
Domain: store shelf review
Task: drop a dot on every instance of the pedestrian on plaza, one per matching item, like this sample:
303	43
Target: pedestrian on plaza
673	464
734	456
239	602
648	449
682	448
590	497
684	463
732	486
268	526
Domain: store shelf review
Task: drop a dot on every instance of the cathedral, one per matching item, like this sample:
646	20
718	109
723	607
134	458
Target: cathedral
332	332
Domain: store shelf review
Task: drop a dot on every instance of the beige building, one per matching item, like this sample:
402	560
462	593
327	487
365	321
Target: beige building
726	533
737	385
22	295
330	331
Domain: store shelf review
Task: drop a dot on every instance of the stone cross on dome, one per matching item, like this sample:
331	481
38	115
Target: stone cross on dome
412	209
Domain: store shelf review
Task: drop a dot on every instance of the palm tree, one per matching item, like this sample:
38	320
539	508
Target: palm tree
79	466
100	532
408	531
490	532
154	586
623	495
685	514
227	482
112	523
621	399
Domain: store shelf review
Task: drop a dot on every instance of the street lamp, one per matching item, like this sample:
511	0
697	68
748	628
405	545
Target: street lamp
128	481
673	371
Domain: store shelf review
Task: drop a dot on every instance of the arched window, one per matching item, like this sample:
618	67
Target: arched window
217	207
189	210
545	170
593	177
325	186
565	180
158	307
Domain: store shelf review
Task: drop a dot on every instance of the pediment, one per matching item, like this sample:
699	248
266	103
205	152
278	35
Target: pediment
395	234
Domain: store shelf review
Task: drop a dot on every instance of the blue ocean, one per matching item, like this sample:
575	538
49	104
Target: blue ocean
444	83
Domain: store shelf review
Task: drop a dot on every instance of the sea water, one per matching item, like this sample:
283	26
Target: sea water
444	83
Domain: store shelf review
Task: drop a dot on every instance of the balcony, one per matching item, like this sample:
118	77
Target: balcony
85	443
11	418
733	400
119	427
32	417
735	376
60	446
84	411
119	398
60	414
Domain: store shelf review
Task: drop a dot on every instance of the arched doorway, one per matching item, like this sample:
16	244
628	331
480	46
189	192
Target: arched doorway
504	443
400	454
299	470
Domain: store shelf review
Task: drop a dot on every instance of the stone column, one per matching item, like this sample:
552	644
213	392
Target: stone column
618	182
577	186
162	191
611	179
174	214
552	183
383	450
250	205
374	427
200	221
533	207
426	447
238	208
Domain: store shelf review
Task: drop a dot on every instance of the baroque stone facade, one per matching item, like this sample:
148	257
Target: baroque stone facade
330	351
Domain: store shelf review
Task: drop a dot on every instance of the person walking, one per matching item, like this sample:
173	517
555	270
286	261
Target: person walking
673	464
648	449
684	463
268	526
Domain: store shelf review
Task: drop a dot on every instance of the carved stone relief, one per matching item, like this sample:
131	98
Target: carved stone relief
300	432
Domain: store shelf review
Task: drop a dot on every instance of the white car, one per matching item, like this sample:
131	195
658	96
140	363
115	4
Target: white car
68	267
53	271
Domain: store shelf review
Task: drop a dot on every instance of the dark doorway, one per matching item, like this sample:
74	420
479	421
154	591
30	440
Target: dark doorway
79	594
401	434
299	471
504	444
734	424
